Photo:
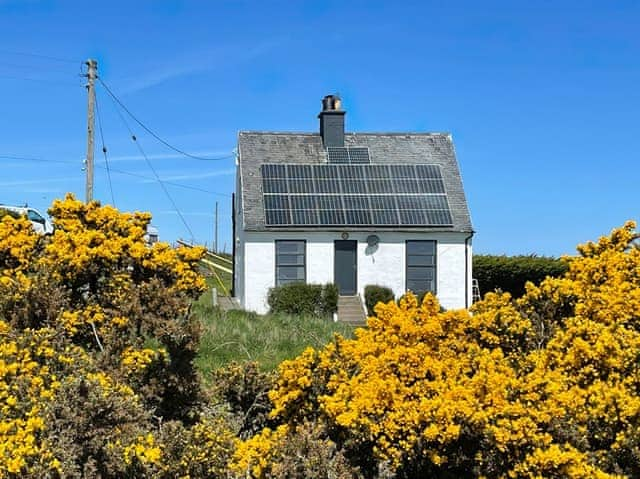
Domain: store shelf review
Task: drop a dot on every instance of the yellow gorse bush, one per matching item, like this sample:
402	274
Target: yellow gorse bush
97	380
79	310
90	237
546	385
26	382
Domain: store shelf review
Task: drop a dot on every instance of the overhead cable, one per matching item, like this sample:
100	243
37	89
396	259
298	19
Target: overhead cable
179	185
38	55
155	173
40	80
104	152
153	134
116	170
23	158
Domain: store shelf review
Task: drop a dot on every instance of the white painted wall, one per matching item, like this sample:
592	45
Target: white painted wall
384	266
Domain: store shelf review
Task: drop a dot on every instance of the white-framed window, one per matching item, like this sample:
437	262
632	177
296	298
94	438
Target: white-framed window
290	261
421	266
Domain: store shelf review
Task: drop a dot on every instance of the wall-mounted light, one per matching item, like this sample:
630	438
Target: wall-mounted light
345	235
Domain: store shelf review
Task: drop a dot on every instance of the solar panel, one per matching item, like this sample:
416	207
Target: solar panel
345	155
274	171
304	217
384	217
300	171
277	217
353	186
329	202
331	217
354	194
378	171
273	185
380	186
357	217
382	202
276	202
431	186
337	154
359	155
356	202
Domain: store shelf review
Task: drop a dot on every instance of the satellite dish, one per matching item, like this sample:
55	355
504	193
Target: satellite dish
373	240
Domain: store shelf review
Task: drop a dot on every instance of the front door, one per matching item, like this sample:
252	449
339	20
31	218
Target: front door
345	266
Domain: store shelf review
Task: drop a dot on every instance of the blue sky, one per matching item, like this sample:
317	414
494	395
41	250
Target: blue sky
541	98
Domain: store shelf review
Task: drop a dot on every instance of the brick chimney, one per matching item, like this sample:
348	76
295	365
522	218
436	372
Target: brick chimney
332	121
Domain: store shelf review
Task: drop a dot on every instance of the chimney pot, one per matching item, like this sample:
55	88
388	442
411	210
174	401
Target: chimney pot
331	103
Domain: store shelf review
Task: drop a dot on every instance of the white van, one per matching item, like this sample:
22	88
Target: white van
40	224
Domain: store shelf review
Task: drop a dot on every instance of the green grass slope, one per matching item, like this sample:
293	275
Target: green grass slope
241	336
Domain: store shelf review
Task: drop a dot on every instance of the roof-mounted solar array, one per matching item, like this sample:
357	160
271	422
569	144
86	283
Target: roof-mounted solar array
354	195
351	155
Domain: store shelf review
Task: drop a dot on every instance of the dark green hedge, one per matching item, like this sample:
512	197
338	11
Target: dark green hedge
510	273
374	294
304	299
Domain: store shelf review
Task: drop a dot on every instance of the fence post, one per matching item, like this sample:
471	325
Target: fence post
214	296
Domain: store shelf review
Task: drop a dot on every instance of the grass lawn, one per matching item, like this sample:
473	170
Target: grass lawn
240	336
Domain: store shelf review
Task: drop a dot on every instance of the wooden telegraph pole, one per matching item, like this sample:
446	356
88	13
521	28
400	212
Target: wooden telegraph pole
91	76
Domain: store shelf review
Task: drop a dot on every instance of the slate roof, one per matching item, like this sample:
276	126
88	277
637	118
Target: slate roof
256	148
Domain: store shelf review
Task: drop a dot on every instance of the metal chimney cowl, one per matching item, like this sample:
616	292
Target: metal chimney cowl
332	121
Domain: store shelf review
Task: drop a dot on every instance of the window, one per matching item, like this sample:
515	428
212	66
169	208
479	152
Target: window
290	261
421	266
35	217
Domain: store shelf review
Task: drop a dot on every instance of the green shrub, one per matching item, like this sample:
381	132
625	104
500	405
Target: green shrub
307	451
243	388
510	273
330	295
304	299
374	294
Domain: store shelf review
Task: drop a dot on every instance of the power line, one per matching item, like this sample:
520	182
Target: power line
148	130
179	185
155	173
53	82
37	55
104	152
43	160
116	170
56	68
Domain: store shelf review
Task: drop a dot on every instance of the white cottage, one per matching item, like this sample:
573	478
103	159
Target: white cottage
352	209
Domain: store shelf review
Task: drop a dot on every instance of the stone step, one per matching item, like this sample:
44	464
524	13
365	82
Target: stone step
350	310
353	322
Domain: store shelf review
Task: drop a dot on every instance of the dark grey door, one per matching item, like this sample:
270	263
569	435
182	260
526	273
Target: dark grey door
346	266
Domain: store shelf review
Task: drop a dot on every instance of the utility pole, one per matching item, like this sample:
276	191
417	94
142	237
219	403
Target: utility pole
91	75
215	245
